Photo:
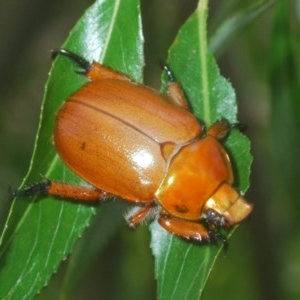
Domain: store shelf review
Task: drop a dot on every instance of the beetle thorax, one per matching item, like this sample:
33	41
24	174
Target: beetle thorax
194	174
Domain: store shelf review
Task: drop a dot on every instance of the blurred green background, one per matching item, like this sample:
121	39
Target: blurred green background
263	64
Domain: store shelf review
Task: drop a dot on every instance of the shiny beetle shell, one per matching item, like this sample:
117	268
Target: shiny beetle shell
111	133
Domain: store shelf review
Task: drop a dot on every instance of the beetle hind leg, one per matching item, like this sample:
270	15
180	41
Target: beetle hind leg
94	71
61	190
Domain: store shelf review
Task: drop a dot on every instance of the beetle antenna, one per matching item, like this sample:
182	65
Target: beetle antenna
78	60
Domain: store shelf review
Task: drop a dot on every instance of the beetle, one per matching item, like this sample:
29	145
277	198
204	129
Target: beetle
129	141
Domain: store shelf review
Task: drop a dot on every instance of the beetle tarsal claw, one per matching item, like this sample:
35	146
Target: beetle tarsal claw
216	237
31	190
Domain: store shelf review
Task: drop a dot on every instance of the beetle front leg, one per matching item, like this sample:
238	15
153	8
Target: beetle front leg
188	230
62	190
185	229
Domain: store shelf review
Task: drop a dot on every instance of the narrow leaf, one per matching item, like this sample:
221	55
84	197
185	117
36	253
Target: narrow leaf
41	232
285	105
231	27
182	268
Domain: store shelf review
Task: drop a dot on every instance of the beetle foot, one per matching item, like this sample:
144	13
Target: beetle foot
78	60
167	70
31	190
216	237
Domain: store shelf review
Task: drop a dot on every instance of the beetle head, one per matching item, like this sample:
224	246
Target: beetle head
213	220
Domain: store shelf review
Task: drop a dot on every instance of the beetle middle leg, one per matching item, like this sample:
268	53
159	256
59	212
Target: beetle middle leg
134	218
174	90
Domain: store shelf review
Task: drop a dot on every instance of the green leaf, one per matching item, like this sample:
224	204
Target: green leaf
41	232
285	105
182	268
231	27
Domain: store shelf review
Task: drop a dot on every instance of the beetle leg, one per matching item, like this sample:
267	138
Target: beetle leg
62	190
219	129
168	71
196	232
176	95
138	216
99	72
94	71
185	229
174	90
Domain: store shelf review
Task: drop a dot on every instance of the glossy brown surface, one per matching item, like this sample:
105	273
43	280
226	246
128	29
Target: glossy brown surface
110	133
198	170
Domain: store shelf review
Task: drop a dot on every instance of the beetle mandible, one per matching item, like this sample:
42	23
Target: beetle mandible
129	141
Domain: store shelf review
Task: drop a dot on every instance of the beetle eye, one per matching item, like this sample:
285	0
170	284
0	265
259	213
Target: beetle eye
212	219
211	214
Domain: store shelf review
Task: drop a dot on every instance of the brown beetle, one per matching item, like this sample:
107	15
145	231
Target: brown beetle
128	140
